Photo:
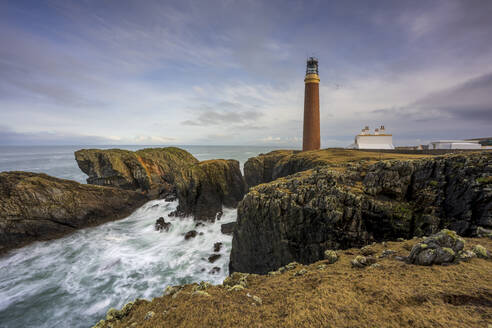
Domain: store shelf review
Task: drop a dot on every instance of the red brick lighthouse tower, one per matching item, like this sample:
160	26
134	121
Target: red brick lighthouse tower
311	136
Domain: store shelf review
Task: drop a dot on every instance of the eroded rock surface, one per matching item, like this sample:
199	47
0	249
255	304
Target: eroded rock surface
152	170
298	217
202	188
39	207
209	185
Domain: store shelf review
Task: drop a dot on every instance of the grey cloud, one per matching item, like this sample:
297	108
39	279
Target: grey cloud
468	101
225	113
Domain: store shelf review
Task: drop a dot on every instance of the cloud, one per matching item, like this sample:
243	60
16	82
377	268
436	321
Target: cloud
226	114
468	101
232	71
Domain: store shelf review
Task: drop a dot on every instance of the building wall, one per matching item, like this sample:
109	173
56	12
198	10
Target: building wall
454	145
374	142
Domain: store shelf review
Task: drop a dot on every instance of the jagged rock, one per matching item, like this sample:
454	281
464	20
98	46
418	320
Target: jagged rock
214	270
387	253
439	248
299	216
203	285
466	255
260	169
237	278
367	250
481	252
209	185
202	188
331	256
214	257
162	225
191	234
217	247
361	261
153	170
228	228
35	206
199	224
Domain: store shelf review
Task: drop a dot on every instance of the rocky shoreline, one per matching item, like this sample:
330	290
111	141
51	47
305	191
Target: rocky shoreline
301	207
350	204
36	206
202	188
372	286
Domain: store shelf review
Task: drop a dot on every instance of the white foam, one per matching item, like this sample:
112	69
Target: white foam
74	280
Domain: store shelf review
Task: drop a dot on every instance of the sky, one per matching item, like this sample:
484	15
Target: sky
227	72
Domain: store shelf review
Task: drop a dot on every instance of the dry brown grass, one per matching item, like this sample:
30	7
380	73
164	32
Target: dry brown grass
393	295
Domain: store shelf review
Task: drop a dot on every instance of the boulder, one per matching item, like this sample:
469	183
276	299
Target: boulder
480	251
331	256
362	261
217	247
299	216
191	234
439	248
36	206
228	228
162	225
214	257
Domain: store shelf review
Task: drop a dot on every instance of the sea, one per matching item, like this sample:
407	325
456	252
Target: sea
74	280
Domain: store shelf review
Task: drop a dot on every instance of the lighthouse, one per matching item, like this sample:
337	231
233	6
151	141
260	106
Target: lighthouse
311	135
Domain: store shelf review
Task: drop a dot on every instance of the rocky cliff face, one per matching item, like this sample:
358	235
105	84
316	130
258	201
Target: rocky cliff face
39	207
280	163
298	217
202	188
208	185
152	170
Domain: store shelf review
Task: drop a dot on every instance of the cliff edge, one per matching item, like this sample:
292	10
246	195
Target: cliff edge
202	188
39	207
350	204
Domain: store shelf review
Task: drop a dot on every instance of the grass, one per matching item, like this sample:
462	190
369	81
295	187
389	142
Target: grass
392	295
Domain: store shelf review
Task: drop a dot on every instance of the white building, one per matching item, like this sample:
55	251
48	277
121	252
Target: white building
377	140
455	144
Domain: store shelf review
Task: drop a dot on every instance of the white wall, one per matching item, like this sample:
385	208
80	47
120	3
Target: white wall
374	142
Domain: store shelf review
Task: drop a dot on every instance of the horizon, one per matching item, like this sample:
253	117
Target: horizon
230	73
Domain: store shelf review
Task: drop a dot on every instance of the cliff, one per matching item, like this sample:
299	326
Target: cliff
39	207
152	170
281	163
350	204
208	185
202	188
388	293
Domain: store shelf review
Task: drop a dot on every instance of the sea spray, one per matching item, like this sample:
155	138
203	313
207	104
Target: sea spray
73	281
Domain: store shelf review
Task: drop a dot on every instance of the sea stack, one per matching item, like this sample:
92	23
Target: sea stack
311	135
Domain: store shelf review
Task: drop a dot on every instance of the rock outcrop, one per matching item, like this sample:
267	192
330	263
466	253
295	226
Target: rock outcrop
280	163
152	170
209	185
202	188
442	247
39	207
298	217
